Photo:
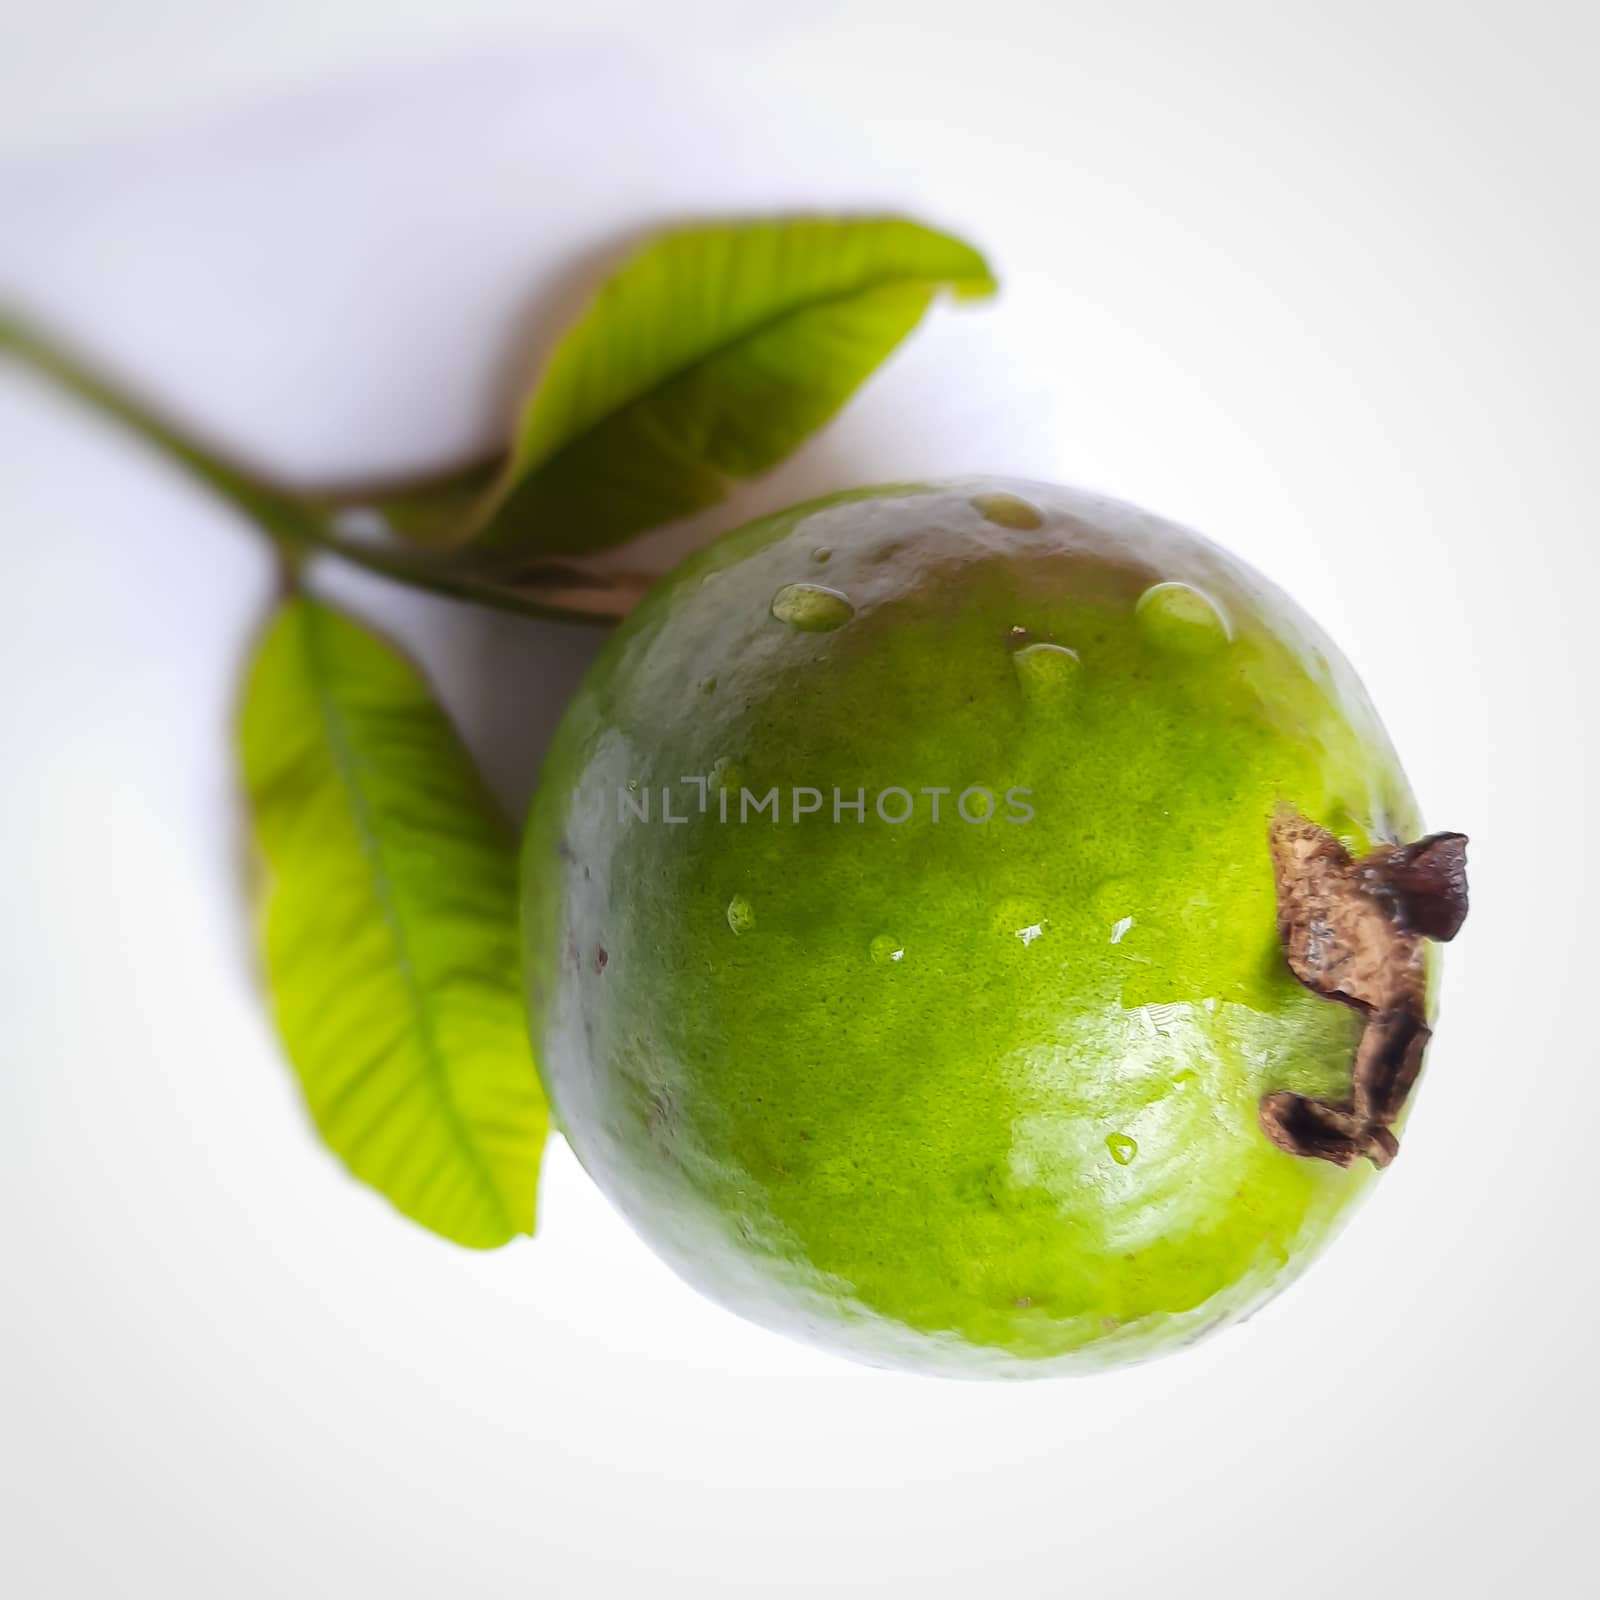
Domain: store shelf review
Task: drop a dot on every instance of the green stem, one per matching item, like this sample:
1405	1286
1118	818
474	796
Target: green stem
298	524
276	513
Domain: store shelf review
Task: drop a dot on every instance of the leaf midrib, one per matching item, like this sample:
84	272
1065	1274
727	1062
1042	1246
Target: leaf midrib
341	747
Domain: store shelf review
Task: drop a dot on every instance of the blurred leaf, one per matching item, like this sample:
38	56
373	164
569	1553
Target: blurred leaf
708	357
390	929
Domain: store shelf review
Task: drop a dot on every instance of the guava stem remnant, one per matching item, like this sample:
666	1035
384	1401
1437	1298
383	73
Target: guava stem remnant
1352	931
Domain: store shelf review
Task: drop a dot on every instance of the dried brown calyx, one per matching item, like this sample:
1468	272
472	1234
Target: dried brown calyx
1352	931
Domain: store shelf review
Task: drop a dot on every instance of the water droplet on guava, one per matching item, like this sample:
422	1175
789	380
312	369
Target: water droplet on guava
886	949
1007	511
821	554
1178	618
1048	673
1119	928
811	608
1020	917
1122	1148
741	915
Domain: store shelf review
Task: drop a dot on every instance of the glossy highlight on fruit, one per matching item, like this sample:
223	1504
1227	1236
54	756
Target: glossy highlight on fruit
974	1087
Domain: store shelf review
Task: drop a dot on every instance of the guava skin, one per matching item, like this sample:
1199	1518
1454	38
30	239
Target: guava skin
968	1098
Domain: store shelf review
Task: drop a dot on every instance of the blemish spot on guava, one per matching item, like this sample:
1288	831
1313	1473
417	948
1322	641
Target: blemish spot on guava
1122	1148
1023	1301
1119	928
886	949
709	686
726	774
1048	674
600	959
821	555
1178	619
1007	510
658	1118
741	914
810	608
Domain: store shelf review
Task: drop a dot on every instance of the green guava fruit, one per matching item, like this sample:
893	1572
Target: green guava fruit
967	925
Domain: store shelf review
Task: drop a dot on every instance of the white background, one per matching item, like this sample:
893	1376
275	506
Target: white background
1317	279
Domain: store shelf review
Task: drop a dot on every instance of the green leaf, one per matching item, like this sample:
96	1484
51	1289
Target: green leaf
390	928
708	357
